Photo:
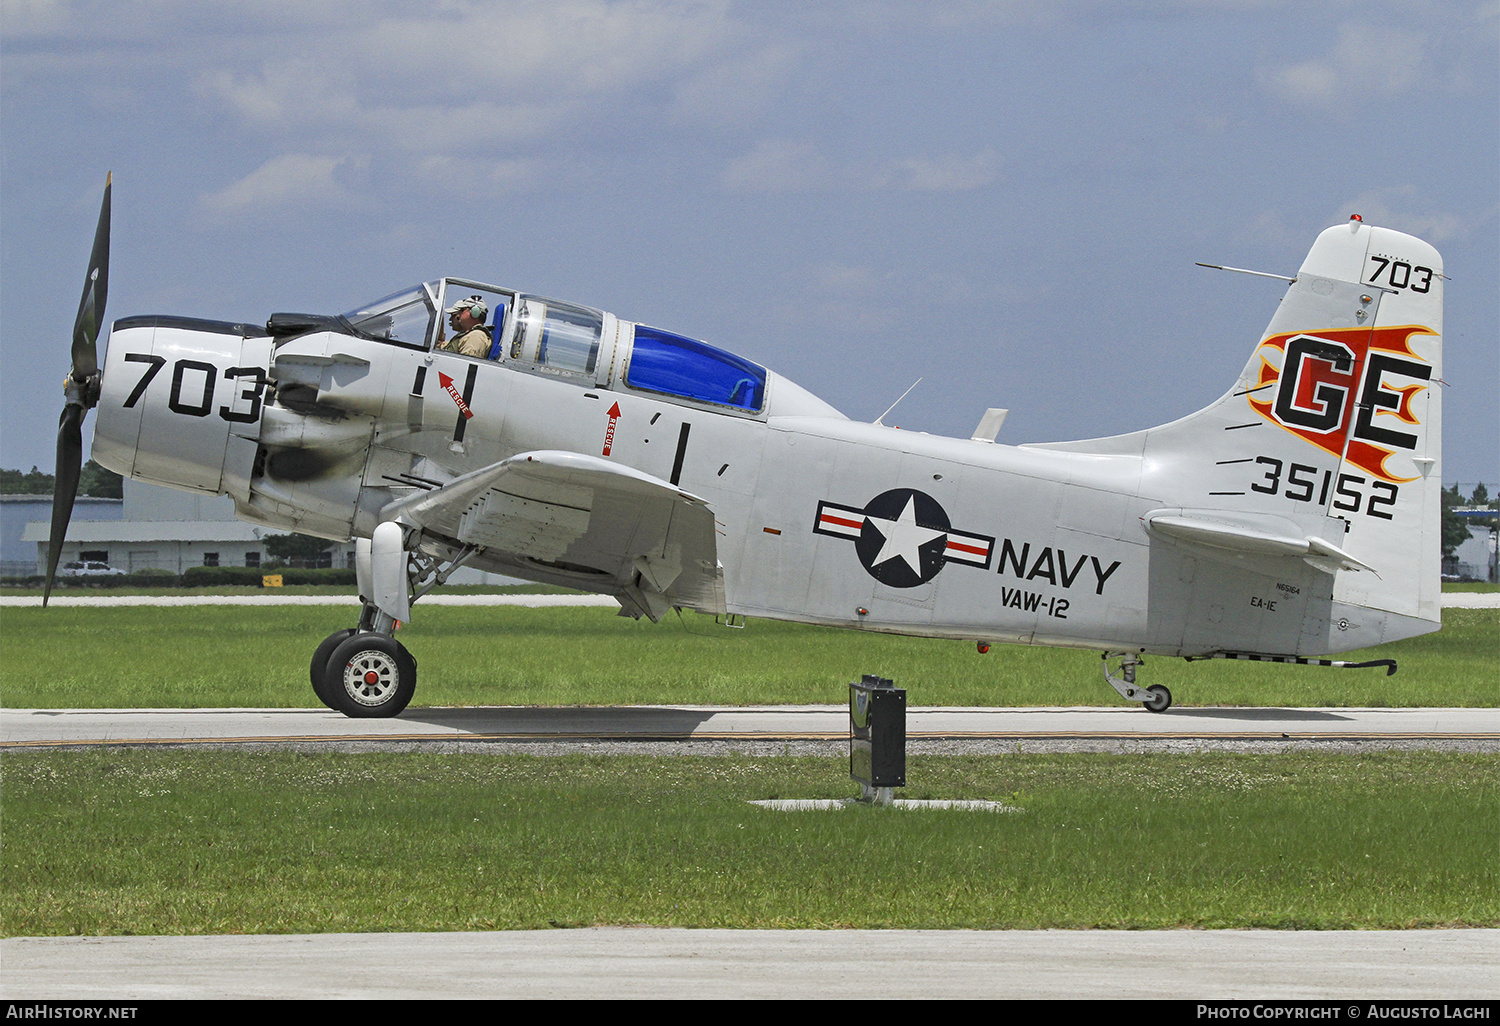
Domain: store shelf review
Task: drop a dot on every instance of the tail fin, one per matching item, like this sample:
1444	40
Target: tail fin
1326	449
1348	375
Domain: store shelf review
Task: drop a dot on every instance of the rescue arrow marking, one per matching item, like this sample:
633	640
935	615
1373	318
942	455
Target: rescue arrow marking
448	387
609	435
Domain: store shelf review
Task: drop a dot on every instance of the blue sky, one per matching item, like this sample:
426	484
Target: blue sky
1004	198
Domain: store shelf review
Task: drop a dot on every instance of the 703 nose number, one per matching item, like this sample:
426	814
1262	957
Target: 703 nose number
193	383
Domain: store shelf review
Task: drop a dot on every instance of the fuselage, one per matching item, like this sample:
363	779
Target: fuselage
819	518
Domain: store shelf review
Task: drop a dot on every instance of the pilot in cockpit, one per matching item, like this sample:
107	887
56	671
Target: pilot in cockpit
466	318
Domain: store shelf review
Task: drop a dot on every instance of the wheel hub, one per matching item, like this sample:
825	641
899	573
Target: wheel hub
370	677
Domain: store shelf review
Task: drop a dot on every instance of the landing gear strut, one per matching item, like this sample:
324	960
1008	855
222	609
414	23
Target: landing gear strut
364	672
1156	698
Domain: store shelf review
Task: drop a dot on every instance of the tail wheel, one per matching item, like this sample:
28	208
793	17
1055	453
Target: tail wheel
1160	700
318	670
371	676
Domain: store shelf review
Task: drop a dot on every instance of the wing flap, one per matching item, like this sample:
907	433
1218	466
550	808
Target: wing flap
527	527
653	544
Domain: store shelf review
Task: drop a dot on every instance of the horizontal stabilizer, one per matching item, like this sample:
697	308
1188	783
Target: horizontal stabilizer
1275	538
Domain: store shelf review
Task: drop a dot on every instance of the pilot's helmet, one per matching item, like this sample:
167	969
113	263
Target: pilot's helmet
474	304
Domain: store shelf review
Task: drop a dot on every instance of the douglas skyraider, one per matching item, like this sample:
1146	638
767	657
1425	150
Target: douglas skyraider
1295	517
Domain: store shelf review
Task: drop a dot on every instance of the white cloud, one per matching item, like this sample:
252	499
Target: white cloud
844	280
32	17
284	94
460	126
861	299
467	178
287	180
947	173
501	70
871	299
1367	61
785	165
1406	209
574	47
969	14
728	91
294	98
778	165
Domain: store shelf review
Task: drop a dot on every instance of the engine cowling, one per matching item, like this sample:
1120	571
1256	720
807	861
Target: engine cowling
200	406
181	403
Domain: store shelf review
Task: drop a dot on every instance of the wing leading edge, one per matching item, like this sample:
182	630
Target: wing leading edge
643	540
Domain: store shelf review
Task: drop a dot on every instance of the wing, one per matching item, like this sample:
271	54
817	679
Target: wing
654	541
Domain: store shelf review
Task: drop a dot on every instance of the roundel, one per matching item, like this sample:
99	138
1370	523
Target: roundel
904	538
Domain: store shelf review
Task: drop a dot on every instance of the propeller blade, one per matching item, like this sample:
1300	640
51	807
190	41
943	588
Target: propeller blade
69	466
81	389
95	289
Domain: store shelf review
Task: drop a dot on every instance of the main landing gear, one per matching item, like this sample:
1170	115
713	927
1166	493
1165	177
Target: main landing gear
1156	698
364	672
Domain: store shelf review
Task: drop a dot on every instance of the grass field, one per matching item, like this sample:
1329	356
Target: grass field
161	842
217	656
115	842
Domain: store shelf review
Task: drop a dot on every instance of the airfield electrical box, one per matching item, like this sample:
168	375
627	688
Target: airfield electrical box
877	733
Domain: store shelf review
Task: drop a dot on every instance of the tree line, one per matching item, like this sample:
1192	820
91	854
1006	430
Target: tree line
93	481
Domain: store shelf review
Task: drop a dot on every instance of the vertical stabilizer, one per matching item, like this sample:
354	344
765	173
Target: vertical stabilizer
1314	484
1348	373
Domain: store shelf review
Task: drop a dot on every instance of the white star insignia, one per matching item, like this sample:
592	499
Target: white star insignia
904	537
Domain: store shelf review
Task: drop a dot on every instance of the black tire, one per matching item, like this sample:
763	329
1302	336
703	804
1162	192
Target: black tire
317	671
371	676
1160	700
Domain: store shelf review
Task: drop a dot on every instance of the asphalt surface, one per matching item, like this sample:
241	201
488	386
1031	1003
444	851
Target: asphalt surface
810	728
625	962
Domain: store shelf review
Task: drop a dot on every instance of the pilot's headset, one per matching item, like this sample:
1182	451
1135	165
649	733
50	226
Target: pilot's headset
475	304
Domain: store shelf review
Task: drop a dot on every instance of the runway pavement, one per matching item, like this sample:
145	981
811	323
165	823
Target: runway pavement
1435	966
473	727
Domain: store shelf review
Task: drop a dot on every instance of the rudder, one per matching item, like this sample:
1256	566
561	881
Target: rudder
1348	371
1324	452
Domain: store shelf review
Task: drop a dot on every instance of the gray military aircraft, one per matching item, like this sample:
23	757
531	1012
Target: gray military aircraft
1295	517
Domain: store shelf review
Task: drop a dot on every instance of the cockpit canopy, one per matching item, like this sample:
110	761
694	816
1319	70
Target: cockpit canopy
674	365
406	317
545	336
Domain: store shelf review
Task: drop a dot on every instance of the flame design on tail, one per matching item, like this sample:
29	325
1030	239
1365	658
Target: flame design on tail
1337	389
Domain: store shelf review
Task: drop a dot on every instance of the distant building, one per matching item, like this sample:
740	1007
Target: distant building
160	529
1476	558
151	528
18	555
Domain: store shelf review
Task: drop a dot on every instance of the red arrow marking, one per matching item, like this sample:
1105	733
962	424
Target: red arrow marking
609	436
447	384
